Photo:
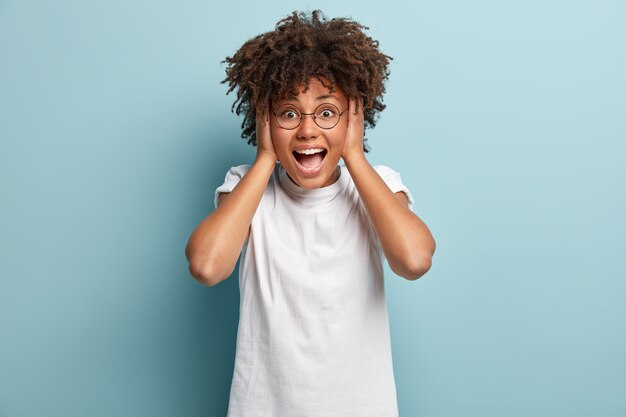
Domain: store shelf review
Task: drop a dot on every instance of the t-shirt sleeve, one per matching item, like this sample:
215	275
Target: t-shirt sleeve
233	176
394	182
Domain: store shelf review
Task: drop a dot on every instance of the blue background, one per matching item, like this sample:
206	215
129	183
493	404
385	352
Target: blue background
505	119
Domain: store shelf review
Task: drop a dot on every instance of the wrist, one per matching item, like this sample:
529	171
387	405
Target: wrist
265	158
353	156
263	154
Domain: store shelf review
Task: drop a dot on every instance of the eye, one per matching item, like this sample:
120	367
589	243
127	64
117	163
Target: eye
327	113
289	114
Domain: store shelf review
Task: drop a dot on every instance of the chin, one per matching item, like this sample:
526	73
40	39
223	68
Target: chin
322	179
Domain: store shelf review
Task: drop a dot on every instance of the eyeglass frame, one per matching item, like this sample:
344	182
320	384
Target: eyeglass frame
310	114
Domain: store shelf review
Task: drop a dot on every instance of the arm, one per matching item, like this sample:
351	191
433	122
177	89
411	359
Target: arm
406	241
215	245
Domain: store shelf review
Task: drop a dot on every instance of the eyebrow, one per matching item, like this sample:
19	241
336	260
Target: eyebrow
291	97
326	96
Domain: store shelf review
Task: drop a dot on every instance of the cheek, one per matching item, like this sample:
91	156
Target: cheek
339	139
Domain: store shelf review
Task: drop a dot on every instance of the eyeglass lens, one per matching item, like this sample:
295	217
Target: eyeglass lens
326	116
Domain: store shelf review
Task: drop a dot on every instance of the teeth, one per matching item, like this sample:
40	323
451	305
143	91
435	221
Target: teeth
310	151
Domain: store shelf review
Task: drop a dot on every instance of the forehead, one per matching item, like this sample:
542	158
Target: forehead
316	91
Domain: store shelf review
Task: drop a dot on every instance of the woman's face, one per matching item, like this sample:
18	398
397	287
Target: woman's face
312	169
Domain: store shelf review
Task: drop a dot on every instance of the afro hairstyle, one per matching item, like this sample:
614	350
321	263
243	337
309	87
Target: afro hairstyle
278	63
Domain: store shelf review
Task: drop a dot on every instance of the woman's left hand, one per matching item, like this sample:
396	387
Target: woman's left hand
353	146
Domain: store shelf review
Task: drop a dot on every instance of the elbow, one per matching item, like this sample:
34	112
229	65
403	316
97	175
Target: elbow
206	269
414	267
415	260
209	276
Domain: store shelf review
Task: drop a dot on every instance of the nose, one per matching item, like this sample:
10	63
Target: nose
307	129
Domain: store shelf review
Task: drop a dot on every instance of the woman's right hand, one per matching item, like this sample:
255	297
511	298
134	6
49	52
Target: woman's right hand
265	146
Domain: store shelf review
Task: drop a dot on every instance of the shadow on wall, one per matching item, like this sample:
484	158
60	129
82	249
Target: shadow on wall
215	310
219	318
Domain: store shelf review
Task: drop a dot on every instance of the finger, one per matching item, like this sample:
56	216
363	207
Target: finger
263	126
356	115
351	111
361	112
262	122
266	128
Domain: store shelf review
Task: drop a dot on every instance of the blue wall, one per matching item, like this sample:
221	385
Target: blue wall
505	119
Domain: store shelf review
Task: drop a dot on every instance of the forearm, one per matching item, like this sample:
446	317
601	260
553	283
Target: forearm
215	245
406	241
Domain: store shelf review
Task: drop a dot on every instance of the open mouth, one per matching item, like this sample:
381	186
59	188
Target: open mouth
310	161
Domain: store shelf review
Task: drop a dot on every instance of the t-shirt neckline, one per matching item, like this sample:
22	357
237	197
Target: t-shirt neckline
313	193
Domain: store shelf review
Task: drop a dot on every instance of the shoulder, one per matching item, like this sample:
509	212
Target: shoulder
385	171
238	171
232	178
393	179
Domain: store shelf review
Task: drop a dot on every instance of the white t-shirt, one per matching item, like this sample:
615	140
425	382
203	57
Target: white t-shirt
313	337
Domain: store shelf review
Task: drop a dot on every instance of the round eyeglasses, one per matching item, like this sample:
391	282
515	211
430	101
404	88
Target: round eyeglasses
326	116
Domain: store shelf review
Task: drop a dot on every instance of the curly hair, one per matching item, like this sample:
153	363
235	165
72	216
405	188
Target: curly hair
277	63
